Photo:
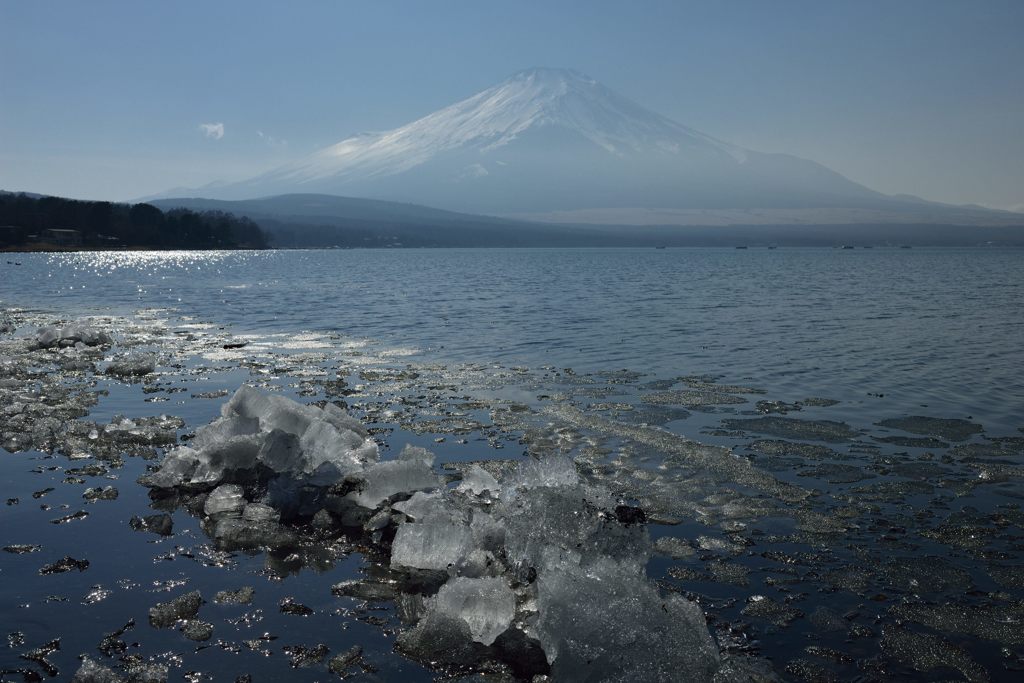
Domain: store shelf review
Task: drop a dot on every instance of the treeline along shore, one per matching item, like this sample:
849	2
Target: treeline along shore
34	223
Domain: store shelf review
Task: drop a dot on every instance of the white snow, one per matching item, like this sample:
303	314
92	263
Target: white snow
493	118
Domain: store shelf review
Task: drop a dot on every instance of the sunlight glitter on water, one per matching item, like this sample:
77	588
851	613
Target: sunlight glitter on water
100	262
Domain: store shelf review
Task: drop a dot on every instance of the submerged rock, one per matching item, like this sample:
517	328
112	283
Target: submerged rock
792	428
952	429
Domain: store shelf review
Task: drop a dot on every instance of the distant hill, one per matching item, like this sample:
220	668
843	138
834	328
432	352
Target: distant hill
313	220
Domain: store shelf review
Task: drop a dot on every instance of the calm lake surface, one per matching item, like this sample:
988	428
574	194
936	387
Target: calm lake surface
867	334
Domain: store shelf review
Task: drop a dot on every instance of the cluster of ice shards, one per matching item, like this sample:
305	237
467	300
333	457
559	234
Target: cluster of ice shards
268	457
71	334
264	437
543	559
532	567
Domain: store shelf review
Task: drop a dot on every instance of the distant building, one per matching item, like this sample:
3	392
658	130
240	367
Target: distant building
63	237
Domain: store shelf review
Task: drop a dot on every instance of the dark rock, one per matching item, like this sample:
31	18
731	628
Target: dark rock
65	564
627	514
242	596
20	549
91	672
340	663
197	630
289	606
162	524
303	656
365	590
165	614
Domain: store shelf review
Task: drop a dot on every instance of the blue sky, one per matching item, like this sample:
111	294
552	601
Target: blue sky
107	99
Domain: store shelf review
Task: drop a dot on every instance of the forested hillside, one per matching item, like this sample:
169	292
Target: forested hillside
34	222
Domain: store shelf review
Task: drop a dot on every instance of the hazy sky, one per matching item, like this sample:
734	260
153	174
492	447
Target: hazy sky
117	100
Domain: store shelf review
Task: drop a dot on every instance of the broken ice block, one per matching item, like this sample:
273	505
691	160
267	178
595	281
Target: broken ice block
431	545
226	499
486	605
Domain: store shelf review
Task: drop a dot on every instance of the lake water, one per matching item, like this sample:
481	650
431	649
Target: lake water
935	326
881	334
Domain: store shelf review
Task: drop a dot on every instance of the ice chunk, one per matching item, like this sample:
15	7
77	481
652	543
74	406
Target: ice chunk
223	429
477	480
280	451
608	623
554	471
271	440
226	499
132	365
234	460
177	469
382	480
421	506
235	533
431	545
50	336
440	638
257	512
486	605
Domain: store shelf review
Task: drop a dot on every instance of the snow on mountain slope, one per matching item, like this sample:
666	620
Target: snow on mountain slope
554	139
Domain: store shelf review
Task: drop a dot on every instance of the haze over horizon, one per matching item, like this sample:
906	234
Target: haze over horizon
103	102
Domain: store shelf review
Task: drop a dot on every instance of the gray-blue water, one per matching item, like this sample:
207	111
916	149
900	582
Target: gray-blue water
940	327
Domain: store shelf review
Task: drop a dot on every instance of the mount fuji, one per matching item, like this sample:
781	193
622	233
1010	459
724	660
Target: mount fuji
556	140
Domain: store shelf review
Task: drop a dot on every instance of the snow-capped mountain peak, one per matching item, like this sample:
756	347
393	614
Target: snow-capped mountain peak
497	116
550	139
